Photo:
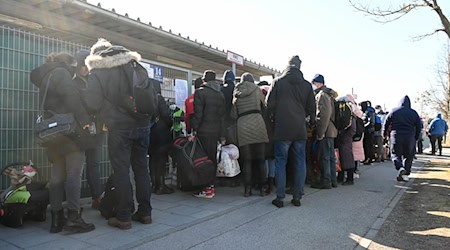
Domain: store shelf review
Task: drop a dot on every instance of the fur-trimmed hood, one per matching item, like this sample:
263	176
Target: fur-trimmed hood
104	55
107	62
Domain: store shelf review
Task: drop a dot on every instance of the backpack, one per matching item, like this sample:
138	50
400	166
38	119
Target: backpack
359	129
378	123
343	115
142	98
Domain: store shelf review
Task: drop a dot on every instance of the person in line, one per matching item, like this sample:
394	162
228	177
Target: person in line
248	103
269	151
160	143
369	130
357	145
378	134
437	129
345	146
326	132
189	106
94	144
65	155
208	122
111	70
403	126
290	102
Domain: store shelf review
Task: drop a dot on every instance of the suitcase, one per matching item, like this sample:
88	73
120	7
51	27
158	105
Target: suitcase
194	169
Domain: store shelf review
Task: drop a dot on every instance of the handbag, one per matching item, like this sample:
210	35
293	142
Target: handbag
56	127
228	165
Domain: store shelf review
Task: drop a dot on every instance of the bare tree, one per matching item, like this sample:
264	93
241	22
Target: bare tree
390	13
437	98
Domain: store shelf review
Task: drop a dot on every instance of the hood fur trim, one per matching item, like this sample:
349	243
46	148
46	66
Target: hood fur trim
99	62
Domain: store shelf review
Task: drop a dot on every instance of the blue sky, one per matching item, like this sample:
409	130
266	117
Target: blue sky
379	61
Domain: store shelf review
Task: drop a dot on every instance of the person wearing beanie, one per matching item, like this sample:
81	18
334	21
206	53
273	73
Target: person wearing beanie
369	119
208	122
227	91
94	140
111	68
248	104
326	132
290	101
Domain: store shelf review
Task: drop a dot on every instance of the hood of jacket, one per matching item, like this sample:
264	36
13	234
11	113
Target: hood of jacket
328	91
115	56
214	85
439	116
245	89
405	102
228	76
292	74
37	75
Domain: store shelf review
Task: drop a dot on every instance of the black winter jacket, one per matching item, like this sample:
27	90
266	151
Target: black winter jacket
160	136
62	98
209	110
290	101
108	82
403	121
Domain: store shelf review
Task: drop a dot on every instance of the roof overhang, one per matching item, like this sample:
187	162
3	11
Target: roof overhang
83	23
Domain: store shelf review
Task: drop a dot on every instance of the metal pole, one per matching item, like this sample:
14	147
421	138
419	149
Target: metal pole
233	68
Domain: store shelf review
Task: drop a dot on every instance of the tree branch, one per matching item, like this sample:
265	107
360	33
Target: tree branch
389	15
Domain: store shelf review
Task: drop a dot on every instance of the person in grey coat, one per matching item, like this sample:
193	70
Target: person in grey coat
248	102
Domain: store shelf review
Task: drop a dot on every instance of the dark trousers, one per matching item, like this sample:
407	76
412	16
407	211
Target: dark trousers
209	144
252	158
433	139
158	169
93	158
129	147
403	151
368	144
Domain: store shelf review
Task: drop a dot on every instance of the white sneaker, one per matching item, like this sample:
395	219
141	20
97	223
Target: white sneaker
405	178
356	175
401	173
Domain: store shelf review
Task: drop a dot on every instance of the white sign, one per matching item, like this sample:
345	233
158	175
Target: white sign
235	58
181	92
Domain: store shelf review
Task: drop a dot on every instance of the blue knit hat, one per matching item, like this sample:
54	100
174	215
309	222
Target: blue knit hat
318	78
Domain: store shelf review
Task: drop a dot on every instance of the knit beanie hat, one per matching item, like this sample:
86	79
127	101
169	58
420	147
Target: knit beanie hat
295	61
318	78
247	77
209	75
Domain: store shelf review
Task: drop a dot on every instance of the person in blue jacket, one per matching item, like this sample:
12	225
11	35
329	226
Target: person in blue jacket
403	125
437	129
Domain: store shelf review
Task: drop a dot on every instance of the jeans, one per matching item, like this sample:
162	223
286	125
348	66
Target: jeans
403	151
281	156
433	139
129	147
327	161
270	165
66	176
93	157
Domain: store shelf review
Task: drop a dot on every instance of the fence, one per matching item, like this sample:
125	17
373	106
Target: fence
20	52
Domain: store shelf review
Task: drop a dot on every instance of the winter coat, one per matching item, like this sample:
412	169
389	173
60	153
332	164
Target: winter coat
438	126
160	135
290	101
108	83
345	145
368	117
62	97
325	113
209	110
248	103
357	146
189	107
403	121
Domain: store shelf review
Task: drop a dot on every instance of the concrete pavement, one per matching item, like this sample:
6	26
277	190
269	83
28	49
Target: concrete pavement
342	218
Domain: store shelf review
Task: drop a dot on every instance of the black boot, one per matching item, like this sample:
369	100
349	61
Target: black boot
248	191
75	224
162	188
270	184
58	221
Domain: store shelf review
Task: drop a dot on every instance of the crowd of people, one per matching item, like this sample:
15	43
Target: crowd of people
289	133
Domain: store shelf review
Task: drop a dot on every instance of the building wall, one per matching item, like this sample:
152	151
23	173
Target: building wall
20	52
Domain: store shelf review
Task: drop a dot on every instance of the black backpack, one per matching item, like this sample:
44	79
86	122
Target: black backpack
109	200
142	98
359	129
343	115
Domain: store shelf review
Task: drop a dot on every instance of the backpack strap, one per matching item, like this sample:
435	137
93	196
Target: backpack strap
45	93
